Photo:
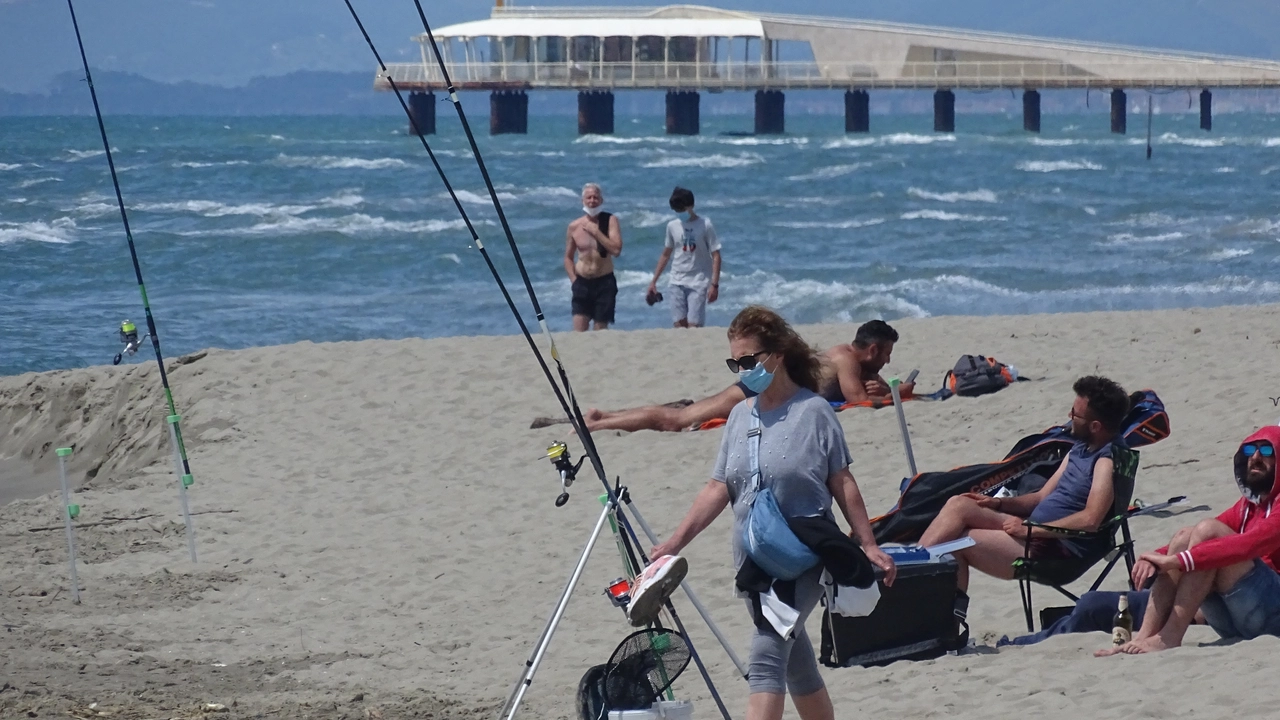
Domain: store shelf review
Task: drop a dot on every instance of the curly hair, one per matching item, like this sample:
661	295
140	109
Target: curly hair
777	336
1107	400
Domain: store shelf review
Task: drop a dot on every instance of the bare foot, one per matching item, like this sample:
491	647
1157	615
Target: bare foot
1113	650
1155	643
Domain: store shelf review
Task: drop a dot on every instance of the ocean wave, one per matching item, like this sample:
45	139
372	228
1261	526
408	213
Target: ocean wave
1123	239
849	142
647	218
761	140
1175	139
913	139
832	171
705	161
1255	226
1224	169
335	162
1272	142
1229	254
194	164
9	166
614	140
82	154
58	232
1048	166
214	209
357	224
979	195
549	191
1057	142
38	181
949	217
451	256
833	224
467	196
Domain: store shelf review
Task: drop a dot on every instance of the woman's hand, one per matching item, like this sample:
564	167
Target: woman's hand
881	560
666	548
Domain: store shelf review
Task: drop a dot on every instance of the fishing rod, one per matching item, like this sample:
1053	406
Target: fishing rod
579	424
572	408
133	253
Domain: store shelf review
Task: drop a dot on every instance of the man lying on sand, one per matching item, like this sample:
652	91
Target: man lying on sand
850	373
1078	496
1225	567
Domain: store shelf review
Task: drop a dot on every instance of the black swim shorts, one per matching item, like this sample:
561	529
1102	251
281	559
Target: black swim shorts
595	297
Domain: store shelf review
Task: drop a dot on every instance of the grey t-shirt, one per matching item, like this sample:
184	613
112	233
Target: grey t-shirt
801	446
692	244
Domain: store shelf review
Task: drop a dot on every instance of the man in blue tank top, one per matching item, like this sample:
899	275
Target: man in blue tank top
1078	496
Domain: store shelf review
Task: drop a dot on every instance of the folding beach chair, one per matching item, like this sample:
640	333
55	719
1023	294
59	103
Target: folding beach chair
1056	572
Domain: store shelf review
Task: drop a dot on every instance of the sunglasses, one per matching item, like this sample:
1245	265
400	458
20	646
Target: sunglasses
746	362
1251	449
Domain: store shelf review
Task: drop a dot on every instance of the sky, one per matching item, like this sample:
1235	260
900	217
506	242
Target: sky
227	42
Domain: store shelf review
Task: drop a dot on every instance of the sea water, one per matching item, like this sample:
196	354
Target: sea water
256	231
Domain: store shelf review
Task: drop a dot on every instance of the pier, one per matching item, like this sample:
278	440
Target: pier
686	50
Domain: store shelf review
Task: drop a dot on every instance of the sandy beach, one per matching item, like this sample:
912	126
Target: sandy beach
378	539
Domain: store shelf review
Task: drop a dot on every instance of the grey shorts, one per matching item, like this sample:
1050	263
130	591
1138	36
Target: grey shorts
687	304
1250	608
778	665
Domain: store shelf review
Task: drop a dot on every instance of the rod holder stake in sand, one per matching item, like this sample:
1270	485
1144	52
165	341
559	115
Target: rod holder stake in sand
69	511
184	481
902	424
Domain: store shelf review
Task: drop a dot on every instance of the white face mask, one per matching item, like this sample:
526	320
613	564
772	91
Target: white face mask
591	211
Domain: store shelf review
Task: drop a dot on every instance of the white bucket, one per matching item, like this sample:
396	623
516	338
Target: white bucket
672	710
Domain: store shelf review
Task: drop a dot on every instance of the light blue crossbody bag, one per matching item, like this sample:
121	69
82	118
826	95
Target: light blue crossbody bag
767	538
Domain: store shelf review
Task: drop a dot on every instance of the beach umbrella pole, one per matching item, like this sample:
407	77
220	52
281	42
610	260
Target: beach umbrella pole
184	481
902	424
69	511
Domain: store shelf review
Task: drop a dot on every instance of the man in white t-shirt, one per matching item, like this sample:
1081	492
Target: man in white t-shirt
694	252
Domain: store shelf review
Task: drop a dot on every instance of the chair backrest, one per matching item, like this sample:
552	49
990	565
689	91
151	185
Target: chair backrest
1123	479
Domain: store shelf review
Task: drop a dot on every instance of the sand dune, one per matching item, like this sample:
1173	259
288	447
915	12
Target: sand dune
375	521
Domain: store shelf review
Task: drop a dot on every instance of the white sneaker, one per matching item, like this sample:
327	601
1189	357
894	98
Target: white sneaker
653	587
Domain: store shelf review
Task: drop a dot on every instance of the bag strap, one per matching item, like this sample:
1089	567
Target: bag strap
753	452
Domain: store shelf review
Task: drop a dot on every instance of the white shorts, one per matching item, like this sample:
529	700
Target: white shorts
687	304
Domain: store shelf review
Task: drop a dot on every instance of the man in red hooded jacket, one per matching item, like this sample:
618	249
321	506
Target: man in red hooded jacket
1225	567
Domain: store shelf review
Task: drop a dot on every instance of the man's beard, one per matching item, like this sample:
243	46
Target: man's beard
1260	485
1081	434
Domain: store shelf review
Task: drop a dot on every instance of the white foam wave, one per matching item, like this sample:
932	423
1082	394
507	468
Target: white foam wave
949	217
1229	253
357	224
832	171
9	166
1272	142
647	218
213	208
613	140
194	164
1224	169
1175	139
834	224
913	139
451	256
277	137
1057	142
38	181
1048	166
334	162
58	232
1131	239
762	140
1090	211
979	195
467	196
705	161
549	191
849	142
82	154
1258	226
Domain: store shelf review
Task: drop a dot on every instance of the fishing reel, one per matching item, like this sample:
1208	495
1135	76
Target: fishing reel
558	454
129	338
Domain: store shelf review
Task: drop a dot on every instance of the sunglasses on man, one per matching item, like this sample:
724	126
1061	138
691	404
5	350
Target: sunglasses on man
1255	449
746	362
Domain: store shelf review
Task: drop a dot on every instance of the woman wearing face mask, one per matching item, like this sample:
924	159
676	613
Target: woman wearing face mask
590	244
804	460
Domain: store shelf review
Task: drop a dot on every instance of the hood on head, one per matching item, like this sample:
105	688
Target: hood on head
1270	433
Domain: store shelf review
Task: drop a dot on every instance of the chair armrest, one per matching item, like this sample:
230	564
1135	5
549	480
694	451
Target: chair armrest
1069	532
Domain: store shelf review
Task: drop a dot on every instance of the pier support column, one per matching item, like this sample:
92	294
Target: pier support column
422	113
944	111
595	113
857	111
682	112
1119	108
508	112
770	112
1031	111
1206	110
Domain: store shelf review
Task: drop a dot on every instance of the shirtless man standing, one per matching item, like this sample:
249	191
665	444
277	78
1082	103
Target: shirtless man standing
590	244
851	373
